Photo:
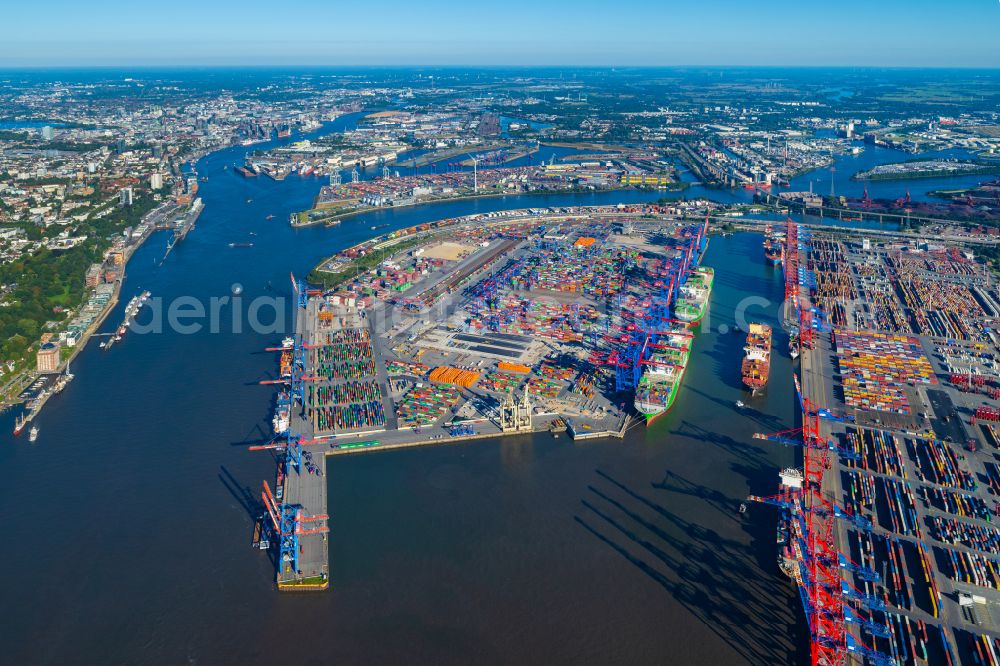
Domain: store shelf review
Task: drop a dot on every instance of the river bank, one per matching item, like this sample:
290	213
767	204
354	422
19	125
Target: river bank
33	375
434	539
472	197
517	490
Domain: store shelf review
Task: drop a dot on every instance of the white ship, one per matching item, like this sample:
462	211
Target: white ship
282	413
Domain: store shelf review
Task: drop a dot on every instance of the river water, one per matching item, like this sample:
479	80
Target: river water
128	521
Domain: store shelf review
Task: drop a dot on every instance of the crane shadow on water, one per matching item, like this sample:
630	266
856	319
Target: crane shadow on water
247	500
741	450
256	435
716	578
676	483
726	355
763	419
241	493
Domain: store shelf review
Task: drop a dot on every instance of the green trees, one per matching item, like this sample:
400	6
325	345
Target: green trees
47	279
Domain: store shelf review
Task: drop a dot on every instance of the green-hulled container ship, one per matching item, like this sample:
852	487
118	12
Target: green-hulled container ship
693	302
661	379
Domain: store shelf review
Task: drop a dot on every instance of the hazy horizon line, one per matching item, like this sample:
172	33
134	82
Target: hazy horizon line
208	65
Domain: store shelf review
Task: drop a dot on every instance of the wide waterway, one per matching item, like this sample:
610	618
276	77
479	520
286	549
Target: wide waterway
127	528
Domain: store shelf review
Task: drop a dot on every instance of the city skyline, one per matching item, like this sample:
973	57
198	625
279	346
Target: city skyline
227	33
616	360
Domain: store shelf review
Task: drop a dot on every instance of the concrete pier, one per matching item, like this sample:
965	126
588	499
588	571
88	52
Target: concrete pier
306	489
417	366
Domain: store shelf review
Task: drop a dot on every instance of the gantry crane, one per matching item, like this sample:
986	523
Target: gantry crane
826	596
286	527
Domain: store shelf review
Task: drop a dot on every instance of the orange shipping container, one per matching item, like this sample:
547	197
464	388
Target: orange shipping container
448	375
513	367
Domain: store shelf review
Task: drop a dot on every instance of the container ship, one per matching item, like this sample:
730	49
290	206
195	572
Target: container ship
693	303
661	378
773	245
282	413
757	357
285	371
772	251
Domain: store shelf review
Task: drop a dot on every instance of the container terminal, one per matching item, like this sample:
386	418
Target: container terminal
548	320
888	527
540	321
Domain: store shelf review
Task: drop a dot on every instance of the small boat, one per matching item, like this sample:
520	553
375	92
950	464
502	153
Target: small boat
743	507
241	245
103	344
740	404
249	200
33	434
269	217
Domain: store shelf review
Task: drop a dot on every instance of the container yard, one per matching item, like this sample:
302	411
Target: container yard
875	368
890	524
538	322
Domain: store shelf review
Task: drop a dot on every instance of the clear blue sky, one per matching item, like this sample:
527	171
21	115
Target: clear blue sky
514	32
